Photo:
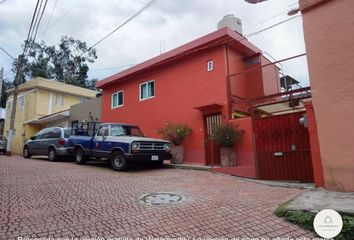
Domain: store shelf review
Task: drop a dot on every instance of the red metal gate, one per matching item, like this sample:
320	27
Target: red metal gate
283	148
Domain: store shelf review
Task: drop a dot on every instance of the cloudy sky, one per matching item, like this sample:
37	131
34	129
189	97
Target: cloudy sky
167	24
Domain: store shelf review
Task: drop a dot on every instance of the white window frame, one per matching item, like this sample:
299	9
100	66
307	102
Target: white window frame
147	89
112	97
21	101
210	65
62	101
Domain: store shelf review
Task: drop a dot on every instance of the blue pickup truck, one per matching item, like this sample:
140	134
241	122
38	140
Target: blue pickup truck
117	142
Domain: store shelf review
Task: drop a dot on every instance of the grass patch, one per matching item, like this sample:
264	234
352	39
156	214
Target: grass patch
305	220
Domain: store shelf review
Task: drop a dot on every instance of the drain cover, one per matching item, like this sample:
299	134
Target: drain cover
160	199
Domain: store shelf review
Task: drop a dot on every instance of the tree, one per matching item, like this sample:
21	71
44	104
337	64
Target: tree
65	63
6	85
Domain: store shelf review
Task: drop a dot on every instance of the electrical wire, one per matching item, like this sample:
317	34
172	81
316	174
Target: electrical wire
40	18
50	19
89	29
272	26
63	15
7	53
124	23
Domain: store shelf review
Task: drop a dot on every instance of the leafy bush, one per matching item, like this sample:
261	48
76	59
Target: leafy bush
227	135
175	132
305	220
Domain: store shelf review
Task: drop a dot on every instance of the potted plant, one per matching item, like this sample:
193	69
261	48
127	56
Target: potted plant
176	133
227	135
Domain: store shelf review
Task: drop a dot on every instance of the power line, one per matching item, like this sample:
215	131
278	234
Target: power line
62	16
105	15
274	25
50	18
124	23
7	53
40	18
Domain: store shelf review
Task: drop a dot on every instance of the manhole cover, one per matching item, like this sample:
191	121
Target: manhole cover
160	199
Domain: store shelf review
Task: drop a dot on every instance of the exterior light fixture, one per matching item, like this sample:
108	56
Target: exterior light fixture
255	1
293	11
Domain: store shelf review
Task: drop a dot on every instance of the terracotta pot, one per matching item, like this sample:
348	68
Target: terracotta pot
177	154
227	157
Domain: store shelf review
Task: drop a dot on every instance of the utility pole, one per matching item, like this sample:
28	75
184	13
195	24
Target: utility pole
12	130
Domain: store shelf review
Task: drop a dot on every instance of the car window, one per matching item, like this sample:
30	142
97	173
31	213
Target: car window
47	133
67	132
117	130
55	133
122	130
41	133
103	131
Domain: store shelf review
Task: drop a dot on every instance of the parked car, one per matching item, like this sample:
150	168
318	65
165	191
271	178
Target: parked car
52	142
3	144
120	143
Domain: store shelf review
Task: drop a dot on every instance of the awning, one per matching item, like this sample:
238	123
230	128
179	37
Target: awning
50	118
212	107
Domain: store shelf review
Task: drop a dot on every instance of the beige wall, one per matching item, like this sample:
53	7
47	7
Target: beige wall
80	112
329	34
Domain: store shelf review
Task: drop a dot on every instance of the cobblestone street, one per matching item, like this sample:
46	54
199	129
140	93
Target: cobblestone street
61	199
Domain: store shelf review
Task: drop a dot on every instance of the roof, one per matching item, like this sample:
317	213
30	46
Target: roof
55	86
51	117
217	38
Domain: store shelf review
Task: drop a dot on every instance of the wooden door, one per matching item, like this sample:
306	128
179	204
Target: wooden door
212	150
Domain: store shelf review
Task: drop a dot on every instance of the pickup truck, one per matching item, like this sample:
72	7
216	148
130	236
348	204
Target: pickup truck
119	143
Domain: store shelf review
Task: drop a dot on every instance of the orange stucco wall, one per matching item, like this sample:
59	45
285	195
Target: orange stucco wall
329	34
179	88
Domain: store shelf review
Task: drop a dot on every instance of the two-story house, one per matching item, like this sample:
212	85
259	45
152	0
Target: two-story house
42	103
195	84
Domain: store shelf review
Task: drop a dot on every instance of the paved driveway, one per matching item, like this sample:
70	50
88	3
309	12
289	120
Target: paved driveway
41	199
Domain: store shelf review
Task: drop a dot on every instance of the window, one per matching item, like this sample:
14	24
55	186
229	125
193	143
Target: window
55	100
61	101
147	90
210	66
54	133
117	99
21	101
103	131
121	130
67	132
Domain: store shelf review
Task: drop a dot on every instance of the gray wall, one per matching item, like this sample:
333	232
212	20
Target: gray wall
81	112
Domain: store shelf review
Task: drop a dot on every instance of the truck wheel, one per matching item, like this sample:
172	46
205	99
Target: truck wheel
26	152
52	155
80	157
119	161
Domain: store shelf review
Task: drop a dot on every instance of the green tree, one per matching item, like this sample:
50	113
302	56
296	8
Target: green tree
66	62
6	85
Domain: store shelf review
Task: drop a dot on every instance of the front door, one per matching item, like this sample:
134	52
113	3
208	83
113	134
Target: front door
212	150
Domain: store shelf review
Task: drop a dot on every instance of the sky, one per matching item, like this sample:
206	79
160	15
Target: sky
164	26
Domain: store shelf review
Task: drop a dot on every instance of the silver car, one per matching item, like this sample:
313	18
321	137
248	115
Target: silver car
3	143
52	142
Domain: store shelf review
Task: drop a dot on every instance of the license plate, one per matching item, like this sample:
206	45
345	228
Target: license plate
154	158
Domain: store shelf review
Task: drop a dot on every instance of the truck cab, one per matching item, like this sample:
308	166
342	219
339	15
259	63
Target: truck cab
120	143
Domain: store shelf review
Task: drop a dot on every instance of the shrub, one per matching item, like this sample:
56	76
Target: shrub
227	135
175	132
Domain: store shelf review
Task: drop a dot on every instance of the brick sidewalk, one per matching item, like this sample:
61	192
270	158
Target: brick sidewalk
41	199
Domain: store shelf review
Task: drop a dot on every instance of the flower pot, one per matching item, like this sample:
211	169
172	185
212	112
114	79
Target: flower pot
177	154
228	156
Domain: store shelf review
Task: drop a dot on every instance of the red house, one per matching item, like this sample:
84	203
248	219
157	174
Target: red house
196	84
